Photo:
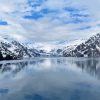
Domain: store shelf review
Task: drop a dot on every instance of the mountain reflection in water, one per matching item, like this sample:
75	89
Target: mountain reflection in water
50	79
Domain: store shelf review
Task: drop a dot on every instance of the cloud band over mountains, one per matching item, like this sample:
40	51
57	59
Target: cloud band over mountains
46	20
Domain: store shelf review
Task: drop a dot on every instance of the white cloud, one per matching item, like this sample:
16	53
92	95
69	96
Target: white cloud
52	26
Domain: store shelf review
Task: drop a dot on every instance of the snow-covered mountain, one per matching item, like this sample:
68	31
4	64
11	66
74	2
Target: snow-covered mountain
90	48
12	49
55	48
45	48
67	50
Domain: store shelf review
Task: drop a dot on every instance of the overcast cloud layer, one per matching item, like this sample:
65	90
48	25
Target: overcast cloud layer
49	20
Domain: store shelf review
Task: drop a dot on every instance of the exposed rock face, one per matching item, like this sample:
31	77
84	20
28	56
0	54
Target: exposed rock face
91	48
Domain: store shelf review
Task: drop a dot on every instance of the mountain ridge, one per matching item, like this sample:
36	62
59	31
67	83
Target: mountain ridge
11	49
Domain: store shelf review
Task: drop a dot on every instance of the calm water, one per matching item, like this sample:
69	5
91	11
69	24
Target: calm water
50	79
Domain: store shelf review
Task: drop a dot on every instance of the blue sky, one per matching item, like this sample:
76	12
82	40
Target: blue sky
49	20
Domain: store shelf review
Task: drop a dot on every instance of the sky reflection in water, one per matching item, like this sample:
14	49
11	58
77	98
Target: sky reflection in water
50	79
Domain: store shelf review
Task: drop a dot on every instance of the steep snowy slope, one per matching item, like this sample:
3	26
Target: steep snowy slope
67	51
91	48
11	49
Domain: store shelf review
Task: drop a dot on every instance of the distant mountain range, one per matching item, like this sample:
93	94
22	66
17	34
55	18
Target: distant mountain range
55	48
12	49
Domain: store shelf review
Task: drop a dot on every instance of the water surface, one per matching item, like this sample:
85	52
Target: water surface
50	79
